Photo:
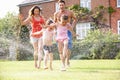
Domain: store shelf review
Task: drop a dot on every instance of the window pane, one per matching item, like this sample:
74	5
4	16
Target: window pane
85	3
119	27
89	5
118	3
82	29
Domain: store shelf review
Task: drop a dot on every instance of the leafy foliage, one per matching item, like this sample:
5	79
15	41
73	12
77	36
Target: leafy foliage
12	33
97	15
101	45
9	25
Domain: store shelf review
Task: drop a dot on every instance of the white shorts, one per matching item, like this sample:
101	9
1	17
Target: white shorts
33	39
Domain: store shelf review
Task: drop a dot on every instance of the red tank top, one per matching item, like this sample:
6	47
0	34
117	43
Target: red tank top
36	26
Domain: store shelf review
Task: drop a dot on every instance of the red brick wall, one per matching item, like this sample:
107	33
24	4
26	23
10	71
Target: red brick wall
115	16
71	2
96	3
48	8
24	10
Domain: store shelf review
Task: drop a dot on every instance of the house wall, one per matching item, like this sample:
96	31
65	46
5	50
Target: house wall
24	10
105	3
72	2
115	16
48	8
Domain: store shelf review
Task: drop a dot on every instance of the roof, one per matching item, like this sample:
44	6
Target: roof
31	2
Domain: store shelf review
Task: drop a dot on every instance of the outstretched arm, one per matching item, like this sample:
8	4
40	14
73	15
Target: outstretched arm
22	21
71	30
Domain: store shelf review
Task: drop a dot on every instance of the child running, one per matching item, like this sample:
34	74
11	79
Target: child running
47	33
62	38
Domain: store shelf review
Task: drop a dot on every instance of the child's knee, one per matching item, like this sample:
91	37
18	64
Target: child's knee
35	53
60	52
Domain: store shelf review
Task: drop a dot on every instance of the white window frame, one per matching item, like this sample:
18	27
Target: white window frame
85	4
82	29
118	25
118	3
56	7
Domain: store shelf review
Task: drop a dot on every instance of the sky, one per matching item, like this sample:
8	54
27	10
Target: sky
9	6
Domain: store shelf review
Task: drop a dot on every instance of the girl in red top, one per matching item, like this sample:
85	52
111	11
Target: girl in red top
37	21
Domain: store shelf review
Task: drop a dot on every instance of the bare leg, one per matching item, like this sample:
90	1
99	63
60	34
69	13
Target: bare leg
65	48
45	59
35	46
51	59
60	49
40	51
68	57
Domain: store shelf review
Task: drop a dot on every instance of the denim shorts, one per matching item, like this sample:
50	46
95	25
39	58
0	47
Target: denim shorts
48	48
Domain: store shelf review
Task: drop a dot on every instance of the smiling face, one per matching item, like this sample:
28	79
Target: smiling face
36	11
62	6
64	22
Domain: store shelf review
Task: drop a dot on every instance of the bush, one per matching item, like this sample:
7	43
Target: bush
117	56
100	45
23	54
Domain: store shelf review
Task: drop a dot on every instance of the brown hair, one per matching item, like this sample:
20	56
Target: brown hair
64	17
31	11
61	1
49	21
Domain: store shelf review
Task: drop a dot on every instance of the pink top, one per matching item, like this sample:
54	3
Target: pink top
62	32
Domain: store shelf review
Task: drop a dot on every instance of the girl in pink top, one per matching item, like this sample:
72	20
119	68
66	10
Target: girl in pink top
62	38
62	32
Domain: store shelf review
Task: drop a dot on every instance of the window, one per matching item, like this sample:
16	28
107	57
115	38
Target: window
82	29
118	3
118	26
85	3
57	7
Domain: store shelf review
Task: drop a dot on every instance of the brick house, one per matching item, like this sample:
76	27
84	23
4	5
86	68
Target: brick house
50	6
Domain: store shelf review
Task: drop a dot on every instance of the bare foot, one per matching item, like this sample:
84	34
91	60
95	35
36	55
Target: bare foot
45	68
51	68
63	68
38	65
35	64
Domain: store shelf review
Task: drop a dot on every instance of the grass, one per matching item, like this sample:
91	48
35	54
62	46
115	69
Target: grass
79	70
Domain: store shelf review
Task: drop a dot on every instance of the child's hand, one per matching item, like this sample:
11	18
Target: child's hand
75	35
32	34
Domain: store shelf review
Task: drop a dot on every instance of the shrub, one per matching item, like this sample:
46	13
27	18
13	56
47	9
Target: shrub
101	44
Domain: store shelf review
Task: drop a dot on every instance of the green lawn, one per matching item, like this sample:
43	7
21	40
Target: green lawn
79	70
